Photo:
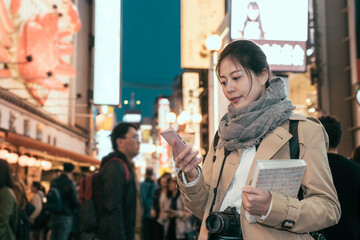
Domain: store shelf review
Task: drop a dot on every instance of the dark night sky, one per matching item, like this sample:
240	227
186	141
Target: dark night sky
150	50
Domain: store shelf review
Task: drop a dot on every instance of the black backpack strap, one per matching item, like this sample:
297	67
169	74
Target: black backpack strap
215	143
294	147
294	141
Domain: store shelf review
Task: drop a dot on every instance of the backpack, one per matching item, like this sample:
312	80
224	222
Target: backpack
88	198
43	218
23	225
54	201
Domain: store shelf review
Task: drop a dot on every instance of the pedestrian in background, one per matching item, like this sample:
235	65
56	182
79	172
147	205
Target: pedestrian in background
8	206
19	190
346	176
61	221
159	196
24	207
120	208
37	201
255	127
173	215
147	188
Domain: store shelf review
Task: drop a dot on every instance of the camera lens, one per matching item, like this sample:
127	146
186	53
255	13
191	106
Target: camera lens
214	223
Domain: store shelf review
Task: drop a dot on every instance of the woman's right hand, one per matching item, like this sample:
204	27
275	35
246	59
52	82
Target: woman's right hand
187	161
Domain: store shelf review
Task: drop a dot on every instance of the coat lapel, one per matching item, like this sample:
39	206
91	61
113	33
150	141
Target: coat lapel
269	146
230	167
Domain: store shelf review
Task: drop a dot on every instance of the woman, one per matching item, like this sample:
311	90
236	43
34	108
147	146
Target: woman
252	25
159	196
173	215
257	127
8	207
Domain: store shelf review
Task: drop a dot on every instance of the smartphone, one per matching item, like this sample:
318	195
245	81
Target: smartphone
169	135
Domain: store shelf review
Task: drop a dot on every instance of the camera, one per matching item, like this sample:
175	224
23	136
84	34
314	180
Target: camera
224	225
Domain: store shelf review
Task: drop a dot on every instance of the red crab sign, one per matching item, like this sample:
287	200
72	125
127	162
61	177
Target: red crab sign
33	49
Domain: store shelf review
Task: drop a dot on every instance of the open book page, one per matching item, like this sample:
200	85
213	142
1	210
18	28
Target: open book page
282	176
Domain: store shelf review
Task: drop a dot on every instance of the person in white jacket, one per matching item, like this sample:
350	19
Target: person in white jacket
36	200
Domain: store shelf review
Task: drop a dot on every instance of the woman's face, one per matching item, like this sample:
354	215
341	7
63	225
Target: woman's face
164	181
172	185
238	87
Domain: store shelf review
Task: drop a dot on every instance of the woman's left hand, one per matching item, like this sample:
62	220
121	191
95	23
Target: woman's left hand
256	201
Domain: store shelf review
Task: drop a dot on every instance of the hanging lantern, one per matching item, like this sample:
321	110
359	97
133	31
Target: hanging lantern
23	159
46	165
4	154
12	158
38	163
31	162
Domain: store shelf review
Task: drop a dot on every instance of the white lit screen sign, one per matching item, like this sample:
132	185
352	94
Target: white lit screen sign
280	27
107	52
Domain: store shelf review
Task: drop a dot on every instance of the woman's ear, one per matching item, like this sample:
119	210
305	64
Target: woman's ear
264	76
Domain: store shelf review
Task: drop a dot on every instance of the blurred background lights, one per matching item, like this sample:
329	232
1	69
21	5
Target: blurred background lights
171	117
159	149
12	157
104	109
311	110
197	118
213	42
31	161
3	153
23	160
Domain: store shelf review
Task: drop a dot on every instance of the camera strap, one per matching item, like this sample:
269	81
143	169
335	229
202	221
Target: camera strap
227	153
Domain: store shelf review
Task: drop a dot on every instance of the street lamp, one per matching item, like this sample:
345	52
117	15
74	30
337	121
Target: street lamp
213	44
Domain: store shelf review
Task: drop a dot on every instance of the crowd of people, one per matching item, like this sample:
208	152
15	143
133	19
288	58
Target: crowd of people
258	125
126	209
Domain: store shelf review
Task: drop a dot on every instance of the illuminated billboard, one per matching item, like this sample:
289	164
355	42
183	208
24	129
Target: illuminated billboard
107	52
280	27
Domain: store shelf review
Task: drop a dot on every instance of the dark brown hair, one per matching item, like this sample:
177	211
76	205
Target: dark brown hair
5	174
248	54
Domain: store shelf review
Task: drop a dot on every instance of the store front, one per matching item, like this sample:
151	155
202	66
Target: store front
36	145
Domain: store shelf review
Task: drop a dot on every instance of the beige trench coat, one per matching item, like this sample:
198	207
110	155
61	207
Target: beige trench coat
320	207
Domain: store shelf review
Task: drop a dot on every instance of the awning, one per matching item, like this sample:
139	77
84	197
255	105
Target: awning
19	140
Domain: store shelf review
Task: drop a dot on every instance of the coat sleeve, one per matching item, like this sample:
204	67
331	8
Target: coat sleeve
195	197
6	208
320	207
74	202
114	185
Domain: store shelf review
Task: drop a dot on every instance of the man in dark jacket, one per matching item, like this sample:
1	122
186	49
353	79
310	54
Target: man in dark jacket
346	176
61	222
119	198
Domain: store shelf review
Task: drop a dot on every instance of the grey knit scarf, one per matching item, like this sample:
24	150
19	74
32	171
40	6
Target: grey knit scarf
247	126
